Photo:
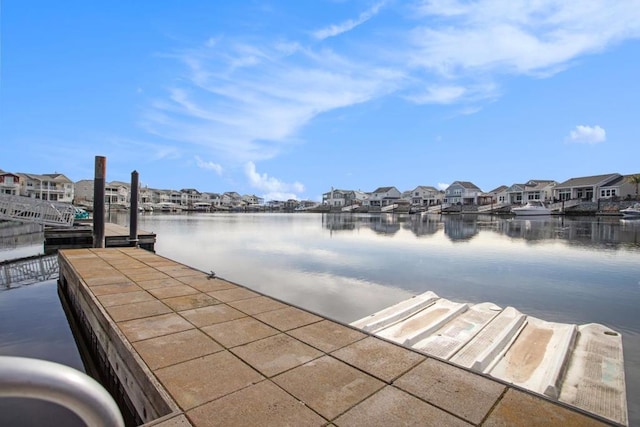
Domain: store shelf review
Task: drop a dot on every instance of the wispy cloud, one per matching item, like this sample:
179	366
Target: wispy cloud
208	165
516	37
274	188
442	186
348	25
587	135
247	101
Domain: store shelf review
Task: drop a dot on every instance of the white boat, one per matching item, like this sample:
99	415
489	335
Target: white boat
632	211
532	208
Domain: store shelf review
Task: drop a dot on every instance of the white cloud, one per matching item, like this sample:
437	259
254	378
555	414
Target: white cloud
274	188
442	186
348	25
439	95
208	165
517	37
247	101
587	134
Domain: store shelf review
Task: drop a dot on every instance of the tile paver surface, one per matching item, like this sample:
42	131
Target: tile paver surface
228	355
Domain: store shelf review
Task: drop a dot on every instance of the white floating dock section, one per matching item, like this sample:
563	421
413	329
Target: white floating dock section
580	365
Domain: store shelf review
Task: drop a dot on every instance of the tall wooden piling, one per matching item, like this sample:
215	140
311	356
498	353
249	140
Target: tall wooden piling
98	201
133	210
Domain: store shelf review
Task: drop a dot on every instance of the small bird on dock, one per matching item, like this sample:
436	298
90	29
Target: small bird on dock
212	275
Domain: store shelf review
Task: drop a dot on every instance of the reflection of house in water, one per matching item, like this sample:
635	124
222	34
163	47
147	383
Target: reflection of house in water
423	225
607	232
336	222
460	227
530	228
385	223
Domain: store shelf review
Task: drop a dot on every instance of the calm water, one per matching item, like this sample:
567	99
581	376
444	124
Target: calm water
347	266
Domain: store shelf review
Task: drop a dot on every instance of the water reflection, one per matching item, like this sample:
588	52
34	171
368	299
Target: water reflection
608	232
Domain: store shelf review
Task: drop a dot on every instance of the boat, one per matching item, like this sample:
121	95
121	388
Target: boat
532	208
632	211
80	213
579	365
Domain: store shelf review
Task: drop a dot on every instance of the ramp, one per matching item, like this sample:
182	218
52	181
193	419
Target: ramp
26	209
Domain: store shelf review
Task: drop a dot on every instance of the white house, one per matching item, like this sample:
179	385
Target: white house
424	195
534	189
383	196
462	192
51	186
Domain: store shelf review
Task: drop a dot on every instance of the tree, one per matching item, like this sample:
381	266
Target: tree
635	179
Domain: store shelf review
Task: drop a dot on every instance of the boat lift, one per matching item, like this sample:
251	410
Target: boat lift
27	209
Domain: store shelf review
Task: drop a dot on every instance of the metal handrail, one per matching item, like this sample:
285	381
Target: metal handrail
53	382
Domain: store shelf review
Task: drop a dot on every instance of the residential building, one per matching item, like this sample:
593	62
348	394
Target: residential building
9	183
424	195
117	193
463	193
590	188
252	200
499	195
53	186
189	196
232	199
534	189
383	196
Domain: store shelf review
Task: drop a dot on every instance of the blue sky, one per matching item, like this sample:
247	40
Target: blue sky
285	99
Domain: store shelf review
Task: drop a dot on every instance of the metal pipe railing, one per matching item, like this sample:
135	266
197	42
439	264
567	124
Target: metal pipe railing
53	382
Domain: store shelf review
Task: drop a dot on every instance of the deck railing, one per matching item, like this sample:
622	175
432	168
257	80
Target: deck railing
44	380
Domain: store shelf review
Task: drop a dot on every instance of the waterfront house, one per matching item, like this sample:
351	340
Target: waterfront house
341	198
116	194
232	199
590	188
424	195
499	195
213	199
52	186
534	189
9	183
189	197
84	192
463	193
252	200
383	196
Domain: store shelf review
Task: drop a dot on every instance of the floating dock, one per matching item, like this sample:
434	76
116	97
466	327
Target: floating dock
81	236
186	348
581	365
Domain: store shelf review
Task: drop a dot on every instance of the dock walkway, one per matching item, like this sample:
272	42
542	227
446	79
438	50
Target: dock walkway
192	349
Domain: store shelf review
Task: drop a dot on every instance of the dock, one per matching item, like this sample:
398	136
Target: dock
183	347
81	236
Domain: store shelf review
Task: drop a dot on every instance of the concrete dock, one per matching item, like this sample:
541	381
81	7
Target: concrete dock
188	348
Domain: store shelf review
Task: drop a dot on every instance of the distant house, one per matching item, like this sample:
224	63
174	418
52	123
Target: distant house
189	196
383	196
84	191
213	198
462	192
232	199
52	186
9	184
341	198
117	193
590	188
534	189
499	195
252	200
424	195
